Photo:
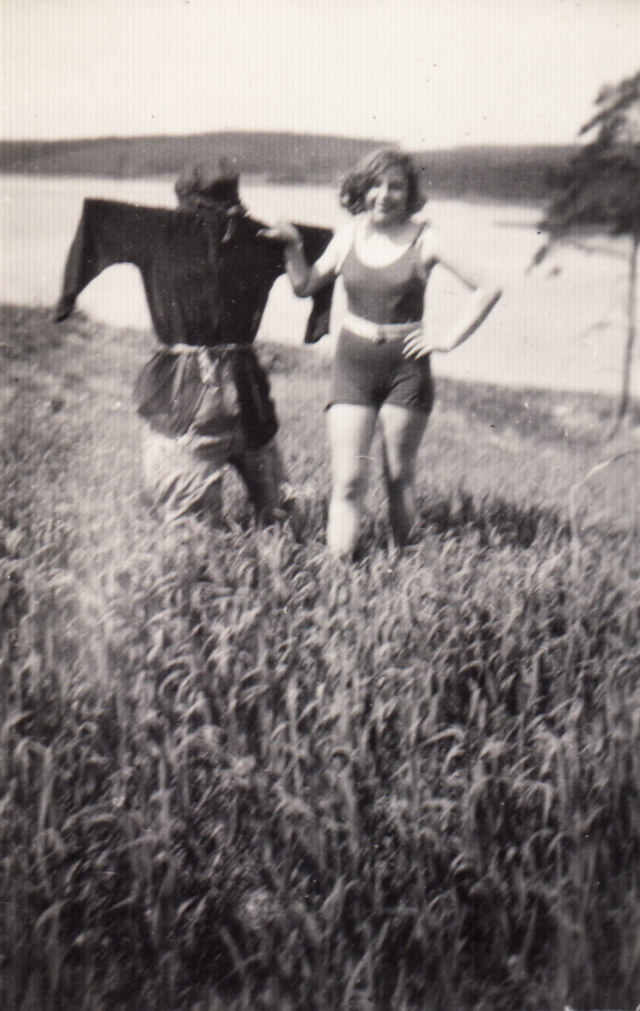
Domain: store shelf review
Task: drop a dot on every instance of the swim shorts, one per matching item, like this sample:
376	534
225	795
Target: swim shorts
372	374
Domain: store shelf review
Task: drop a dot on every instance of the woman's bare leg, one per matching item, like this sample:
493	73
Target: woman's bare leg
351	428
402	431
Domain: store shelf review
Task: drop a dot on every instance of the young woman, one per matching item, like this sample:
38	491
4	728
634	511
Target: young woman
381	370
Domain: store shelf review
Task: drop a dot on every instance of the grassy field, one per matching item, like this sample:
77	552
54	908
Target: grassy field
234	776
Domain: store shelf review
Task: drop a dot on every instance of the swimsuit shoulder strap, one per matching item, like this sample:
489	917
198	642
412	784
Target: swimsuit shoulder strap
348	243
418	234
422	271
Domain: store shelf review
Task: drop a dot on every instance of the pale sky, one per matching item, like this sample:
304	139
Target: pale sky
425	73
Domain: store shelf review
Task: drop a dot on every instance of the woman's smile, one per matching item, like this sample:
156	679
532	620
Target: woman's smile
387	198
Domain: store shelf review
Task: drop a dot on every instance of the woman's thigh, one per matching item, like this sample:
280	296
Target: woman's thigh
402	432
351	428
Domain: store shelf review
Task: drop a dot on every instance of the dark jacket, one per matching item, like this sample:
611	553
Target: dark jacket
206	276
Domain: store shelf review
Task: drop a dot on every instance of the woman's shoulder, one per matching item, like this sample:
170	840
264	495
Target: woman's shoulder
427	239
342	241
330	262
422	223
346	232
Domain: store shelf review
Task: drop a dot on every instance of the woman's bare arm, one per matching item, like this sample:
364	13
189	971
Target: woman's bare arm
305	279
485	296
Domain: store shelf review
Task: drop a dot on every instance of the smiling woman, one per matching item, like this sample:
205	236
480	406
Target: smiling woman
381	370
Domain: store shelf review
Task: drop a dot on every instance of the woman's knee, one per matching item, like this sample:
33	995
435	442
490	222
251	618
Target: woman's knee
400	474
402	434
349	487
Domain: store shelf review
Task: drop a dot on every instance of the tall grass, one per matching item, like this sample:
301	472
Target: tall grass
237	776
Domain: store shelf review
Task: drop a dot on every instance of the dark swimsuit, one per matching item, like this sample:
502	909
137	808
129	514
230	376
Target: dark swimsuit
369	373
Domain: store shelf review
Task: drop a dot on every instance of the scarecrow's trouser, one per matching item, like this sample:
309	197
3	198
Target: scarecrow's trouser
194	426
185	475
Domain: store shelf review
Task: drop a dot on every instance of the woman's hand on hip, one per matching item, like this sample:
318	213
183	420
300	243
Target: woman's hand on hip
417	345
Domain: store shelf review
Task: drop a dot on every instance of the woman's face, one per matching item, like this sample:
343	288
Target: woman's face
386	199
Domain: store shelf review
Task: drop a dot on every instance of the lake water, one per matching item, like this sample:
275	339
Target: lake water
560	326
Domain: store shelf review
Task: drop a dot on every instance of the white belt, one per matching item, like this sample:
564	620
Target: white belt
193	349
380	333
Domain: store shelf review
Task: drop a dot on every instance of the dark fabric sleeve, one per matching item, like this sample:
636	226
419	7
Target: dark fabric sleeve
315	241
108	232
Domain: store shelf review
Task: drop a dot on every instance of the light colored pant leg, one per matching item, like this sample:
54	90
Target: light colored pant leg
183	475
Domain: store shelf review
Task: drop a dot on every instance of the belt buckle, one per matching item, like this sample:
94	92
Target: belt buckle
380	337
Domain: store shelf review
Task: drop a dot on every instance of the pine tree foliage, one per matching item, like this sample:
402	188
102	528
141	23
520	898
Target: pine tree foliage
599	191
600	186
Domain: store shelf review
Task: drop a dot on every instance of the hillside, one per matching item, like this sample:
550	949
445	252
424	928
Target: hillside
502	172
283	157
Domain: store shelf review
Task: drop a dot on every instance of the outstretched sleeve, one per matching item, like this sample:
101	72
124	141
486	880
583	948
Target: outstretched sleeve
108	232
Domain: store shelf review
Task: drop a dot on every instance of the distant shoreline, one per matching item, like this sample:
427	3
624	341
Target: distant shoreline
262	179
518	173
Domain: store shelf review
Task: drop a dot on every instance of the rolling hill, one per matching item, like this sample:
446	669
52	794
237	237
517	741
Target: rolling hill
520	173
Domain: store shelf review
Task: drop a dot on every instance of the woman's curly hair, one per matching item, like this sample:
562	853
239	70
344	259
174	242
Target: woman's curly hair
359	181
